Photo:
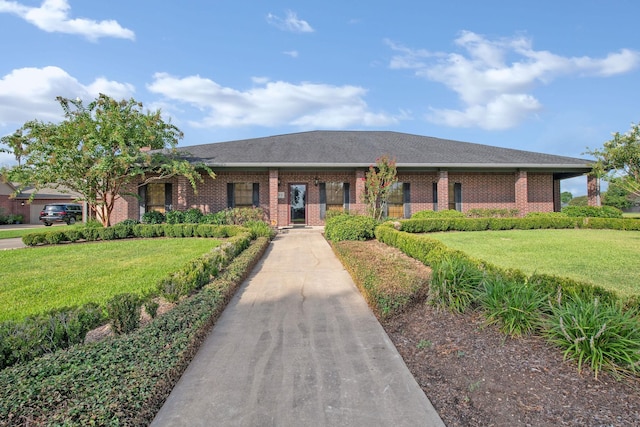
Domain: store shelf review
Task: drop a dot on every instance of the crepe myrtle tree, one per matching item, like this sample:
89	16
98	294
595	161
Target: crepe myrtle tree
98	151
379	180
618	161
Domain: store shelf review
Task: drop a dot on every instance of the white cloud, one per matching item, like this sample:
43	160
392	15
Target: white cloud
290	23
30	93
270	104
291	53
53	16
494	79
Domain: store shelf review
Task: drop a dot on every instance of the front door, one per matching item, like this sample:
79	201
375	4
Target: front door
298	203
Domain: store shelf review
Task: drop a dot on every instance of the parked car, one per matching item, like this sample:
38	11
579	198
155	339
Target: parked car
61	212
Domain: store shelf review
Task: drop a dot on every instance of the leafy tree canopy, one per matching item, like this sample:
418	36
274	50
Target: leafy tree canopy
620	159
566	196
617	195
99	151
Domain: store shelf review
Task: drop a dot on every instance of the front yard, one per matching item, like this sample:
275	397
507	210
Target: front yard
608	258
36	280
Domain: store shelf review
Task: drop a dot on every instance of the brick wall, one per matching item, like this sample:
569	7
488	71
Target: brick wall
479	191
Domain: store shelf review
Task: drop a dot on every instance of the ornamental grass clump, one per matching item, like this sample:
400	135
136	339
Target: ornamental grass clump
516	307
454	284
600	335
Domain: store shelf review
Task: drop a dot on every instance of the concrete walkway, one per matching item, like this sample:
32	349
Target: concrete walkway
297	346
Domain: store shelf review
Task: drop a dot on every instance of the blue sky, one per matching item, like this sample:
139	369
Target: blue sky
549	76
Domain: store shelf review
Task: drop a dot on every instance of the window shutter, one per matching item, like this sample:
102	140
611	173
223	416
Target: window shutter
168	197
345	188
231	202
435	197
323	199
457	191
256	194
406	199
142	200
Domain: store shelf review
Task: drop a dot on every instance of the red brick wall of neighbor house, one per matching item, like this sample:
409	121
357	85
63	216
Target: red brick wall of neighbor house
479	191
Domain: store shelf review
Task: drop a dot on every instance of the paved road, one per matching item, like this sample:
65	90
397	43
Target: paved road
298	346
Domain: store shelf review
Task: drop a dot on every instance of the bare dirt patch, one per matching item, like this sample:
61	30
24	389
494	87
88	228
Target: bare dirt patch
476	376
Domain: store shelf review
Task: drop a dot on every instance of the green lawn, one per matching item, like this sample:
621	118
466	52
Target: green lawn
603	257
35	280
11	233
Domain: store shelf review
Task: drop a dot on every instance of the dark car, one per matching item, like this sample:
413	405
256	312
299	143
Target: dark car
61	212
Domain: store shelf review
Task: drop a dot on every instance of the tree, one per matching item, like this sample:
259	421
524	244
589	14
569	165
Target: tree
379	180
565	197
619	159
617	195
98	151
579	201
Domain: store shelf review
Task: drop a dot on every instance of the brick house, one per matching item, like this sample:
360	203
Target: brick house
30	211
297	178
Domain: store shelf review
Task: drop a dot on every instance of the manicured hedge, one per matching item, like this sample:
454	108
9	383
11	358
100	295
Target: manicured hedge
528	223
349	227
122	380
125	231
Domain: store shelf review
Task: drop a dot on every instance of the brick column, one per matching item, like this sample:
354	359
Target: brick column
443	191
557	198
522	193
593	190
273	197
358	204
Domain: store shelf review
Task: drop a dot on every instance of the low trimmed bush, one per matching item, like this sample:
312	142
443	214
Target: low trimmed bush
174	217
349	227
123	312
38	335
153	217
492	213
592	211
449	213
192	216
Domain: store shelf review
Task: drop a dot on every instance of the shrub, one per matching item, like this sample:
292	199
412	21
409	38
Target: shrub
175	217
46	333
55	237
388	284
492	213
546	215
235	216
151	307
128	222
449	213
592	211
515	306
598	334
91	233
123	311
454	284
350	227
107	233
153	217
73	234
260	229
193	216
123	231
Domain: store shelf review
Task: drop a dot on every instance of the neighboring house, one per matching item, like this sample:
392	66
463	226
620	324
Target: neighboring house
297	178
20	205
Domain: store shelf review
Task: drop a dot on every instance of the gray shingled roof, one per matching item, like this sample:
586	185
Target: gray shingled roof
361	148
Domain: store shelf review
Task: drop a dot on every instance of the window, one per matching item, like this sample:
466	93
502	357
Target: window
243	195
155	197
399	201
455	196
334	196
